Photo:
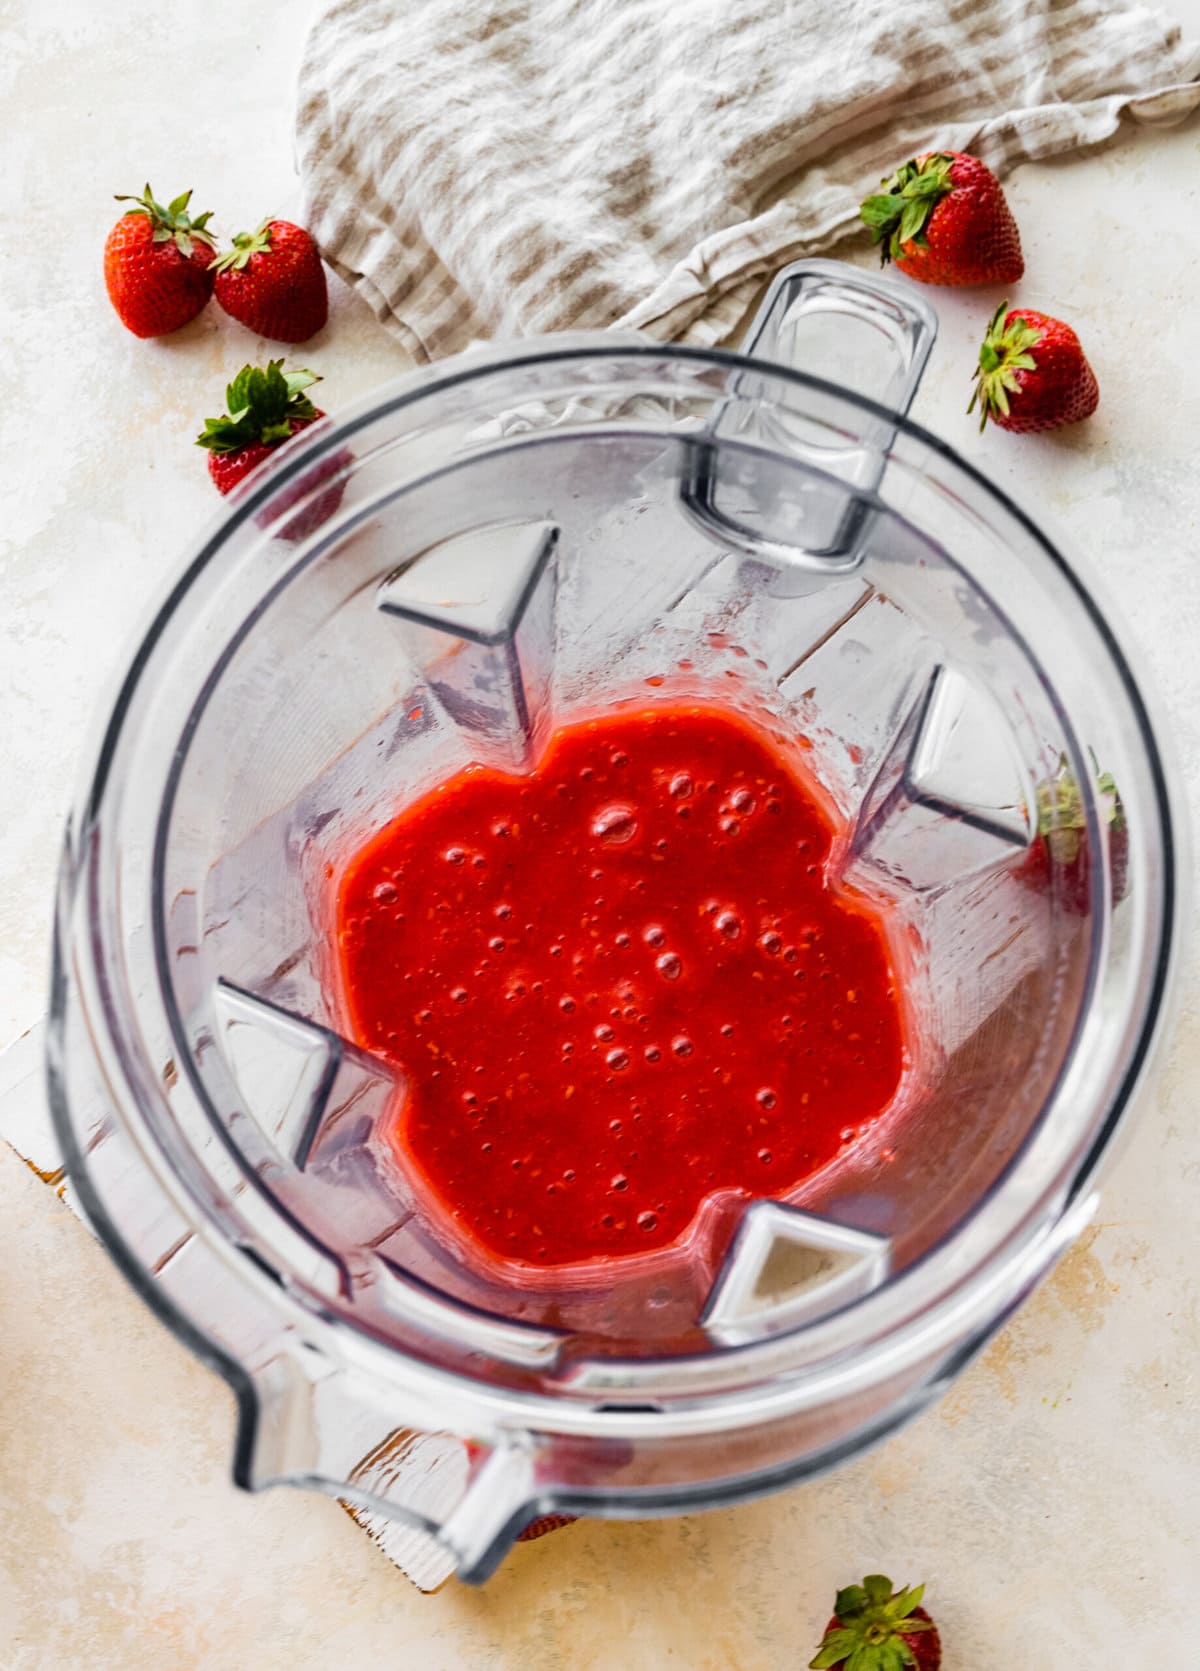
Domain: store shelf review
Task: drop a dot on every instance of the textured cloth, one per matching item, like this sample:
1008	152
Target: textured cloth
495	167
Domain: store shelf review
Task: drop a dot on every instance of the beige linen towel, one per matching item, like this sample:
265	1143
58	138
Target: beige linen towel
496	167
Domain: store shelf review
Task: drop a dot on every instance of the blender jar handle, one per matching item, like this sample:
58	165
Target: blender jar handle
854	334
868	333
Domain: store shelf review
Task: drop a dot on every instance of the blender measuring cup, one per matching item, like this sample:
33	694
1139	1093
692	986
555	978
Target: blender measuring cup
445	576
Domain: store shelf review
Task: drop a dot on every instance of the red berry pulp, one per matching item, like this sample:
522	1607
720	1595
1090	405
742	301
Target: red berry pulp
618	984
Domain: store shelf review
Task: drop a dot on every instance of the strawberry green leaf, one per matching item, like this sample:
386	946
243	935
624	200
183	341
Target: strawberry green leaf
263	403
929	184
880	211
245	244
1061	815
905	1600
1004	354
912	220
873	1624
237	395
298	380
1106	785
173	221
900	214
834	1649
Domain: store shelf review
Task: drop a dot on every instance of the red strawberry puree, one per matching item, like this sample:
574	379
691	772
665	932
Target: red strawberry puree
618	984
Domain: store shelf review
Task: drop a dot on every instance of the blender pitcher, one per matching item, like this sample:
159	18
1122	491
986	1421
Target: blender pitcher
463	562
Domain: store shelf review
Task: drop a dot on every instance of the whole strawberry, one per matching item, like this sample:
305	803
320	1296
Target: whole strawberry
273	281
1059	861
943	219
873	1629
1032	373
266	406
158	264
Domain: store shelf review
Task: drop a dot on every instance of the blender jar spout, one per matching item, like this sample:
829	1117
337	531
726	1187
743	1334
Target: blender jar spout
495	1508
852	333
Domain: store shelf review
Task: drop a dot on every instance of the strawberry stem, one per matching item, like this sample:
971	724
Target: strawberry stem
173	222
899	214
245	244
1061	818
1004	351
262	405
871	1624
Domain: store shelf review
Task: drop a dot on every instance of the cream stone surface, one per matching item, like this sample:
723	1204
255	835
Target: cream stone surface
1055	1493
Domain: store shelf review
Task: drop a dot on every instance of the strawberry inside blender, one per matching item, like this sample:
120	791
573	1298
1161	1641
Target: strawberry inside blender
618	984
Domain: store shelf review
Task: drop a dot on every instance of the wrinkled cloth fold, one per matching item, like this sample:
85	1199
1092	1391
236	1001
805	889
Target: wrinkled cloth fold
506	167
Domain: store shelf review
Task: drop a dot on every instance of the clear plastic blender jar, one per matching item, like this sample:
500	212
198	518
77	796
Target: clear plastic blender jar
510	538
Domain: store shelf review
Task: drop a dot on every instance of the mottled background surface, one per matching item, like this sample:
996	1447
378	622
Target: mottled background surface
1054	1492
